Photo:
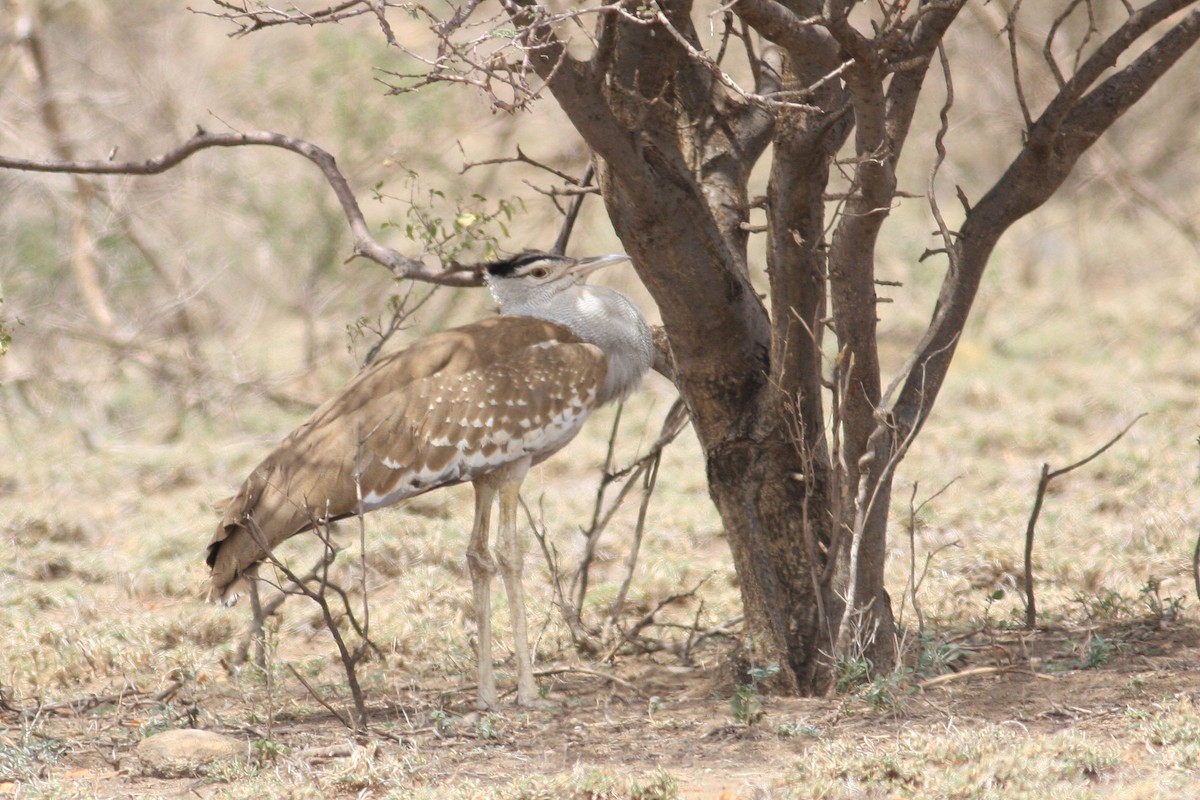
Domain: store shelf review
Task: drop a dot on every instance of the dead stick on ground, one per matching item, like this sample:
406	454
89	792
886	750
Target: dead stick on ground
541	673
977	671
1047	476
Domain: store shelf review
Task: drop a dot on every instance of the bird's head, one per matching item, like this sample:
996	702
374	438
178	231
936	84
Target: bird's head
535	278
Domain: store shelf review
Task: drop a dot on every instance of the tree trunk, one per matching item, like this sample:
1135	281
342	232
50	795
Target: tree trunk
775	511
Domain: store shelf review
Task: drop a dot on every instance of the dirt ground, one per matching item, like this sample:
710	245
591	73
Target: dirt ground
641	728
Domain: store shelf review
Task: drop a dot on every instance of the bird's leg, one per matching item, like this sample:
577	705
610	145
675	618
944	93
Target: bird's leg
511	553
482	567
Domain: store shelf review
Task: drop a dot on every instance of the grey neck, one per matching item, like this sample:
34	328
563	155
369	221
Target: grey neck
603	317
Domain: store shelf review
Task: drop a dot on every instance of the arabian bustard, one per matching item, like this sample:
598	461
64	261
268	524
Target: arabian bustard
479	403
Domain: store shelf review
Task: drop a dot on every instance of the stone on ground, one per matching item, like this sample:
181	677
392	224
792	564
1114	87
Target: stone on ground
183	753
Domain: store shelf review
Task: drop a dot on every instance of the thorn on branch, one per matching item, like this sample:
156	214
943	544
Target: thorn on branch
962	199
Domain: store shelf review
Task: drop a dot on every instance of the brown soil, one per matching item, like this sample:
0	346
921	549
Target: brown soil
632	719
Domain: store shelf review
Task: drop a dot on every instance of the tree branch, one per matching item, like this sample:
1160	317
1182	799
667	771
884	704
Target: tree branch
1055	117
1056	141
1043	484
365	244
777	23
250	21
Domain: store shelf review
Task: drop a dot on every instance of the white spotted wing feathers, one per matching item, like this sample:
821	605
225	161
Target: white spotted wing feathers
453	407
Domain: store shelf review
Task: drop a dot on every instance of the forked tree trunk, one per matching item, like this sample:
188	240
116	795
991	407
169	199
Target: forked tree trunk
787	511
803	490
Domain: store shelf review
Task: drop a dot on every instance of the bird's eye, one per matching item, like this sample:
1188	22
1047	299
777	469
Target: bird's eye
540	272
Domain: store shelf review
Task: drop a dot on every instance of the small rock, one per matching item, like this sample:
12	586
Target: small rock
182	753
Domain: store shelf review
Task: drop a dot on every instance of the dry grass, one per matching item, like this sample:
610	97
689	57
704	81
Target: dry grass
1086	319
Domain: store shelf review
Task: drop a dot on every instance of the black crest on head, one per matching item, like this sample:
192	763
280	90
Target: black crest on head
506	267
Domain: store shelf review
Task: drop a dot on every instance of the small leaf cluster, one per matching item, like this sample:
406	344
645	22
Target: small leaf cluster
450	228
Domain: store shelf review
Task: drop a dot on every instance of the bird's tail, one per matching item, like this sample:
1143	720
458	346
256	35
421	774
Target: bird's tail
253	522
238	546
233	556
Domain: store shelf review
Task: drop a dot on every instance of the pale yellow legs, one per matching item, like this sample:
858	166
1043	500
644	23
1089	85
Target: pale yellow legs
510	552
482	567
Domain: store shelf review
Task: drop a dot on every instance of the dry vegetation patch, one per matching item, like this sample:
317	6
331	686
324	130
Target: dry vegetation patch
106	641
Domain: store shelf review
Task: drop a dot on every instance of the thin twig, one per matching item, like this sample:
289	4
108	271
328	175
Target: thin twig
673	424
939	142
122	696
580	636
261	611
975	672
594	673
1044	482
316	696
349	658
400	313
521	158
1010	27
649	478
542	673
564	234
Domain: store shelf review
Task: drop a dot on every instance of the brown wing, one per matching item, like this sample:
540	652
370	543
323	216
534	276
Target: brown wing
450	408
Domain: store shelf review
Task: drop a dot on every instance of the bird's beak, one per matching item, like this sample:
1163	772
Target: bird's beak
586	266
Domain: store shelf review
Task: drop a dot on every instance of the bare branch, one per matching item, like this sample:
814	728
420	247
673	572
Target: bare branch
915	582
779	99
1071	123
1106	56
248	21
400	313
649	479
521	158
1044	483
564	233
261	611
778	24
939	143
1047	47
1010	28
365	244
674	423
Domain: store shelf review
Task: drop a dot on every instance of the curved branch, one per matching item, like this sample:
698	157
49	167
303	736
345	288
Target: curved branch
365	244
779	24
